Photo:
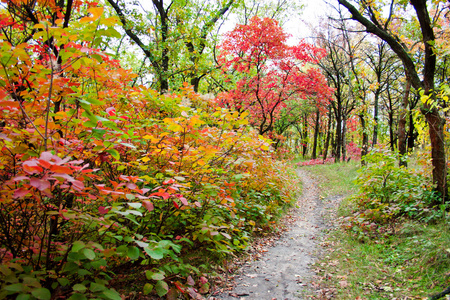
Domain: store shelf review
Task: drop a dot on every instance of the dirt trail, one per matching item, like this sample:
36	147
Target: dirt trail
283	272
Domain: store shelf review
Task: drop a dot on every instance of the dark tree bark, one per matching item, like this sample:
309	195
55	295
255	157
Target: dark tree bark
305	135
402	123
316	135
327	139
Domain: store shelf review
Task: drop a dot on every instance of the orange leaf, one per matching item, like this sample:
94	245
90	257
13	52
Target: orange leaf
61	169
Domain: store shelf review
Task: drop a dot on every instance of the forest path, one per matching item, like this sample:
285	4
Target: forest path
283	270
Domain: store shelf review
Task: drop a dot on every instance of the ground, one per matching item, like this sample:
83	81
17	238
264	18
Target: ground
281	268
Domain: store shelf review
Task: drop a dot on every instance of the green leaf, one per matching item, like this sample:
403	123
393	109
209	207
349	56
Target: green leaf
156	253
131	197
41	294
148	288
77	246
154	276
83	272
133	252
112	294
161	288
114	153
76	64
90	124
134	205
89	253
17	287
158	276
23	297
81	288
77	297
95	287
128	145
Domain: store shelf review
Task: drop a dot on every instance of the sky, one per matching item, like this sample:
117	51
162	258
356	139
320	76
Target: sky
311	15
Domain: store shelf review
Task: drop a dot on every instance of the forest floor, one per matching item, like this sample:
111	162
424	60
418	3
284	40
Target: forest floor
279	267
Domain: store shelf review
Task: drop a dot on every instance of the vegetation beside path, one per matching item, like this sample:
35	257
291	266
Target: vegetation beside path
391	240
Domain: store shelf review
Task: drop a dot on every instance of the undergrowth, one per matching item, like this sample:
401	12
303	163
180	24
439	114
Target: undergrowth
391	239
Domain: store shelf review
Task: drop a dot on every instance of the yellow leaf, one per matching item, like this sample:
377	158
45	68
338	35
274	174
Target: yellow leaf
39	26
147	137
96	13
39	121
145	159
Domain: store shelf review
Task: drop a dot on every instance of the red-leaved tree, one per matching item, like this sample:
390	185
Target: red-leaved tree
271	72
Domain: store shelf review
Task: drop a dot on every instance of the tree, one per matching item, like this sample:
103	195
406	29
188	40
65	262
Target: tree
271	72
375	24
337	68
175	39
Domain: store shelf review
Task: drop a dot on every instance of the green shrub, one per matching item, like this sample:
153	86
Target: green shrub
388	192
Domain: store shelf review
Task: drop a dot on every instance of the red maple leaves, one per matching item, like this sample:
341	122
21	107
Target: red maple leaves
270	71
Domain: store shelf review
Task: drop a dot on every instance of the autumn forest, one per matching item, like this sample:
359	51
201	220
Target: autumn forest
153	141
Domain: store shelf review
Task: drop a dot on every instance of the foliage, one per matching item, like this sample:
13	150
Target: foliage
388	192
271	72
98	174
411	263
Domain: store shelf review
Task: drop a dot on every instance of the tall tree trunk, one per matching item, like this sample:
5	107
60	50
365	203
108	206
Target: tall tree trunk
365	139
316	135
327	139
411	132
305	135
338	139
344	142
402	123
375	117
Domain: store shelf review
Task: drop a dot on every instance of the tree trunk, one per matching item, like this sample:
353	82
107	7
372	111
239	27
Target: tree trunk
402	124
375	117
316	135
436	131
365	139
305	135
327	139
343	143
412	135
338	139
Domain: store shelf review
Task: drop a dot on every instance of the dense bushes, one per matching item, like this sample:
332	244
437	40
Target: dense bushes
99	177
389	192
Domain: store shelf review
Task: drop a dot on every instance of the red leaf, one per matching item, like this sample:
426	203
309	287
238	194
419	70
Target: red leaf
170	181
148	205
111	111
184	200
179	286
63	176
78	185
31	167
102	210
190	281
176	204
44	163
20	178
19	193
40	184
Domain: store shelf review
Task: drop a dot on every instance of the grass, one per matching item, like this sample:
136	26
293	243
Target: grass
411	263
336	179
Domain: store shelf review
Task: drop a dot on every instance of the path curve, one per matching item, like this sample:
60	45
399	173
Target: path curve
283	272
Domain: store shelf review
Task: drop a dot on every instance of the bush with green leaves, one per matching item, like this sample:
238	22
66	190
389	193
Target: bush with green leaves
388	192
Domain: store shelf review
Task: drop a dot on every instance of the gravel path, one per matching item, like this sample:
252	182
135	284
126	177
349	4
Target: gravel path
283	272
